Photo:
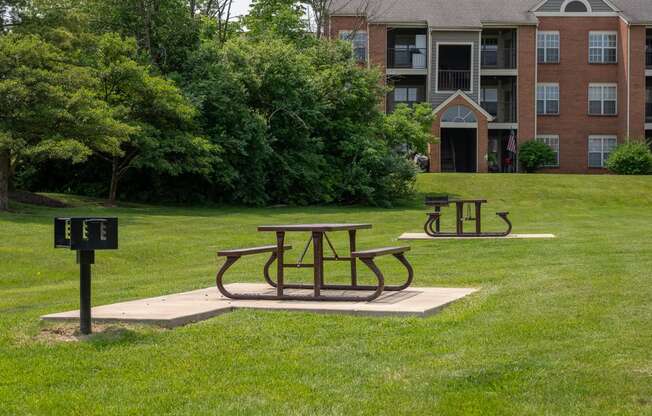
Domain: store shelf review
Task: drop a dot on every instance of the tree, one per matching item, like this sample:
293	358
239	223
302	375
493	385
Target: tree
217	11
410	127
284	18
164	30
163	134
49	108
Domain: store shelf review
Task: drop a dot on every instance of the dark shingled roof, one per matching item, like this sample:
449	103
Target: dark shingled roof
469	13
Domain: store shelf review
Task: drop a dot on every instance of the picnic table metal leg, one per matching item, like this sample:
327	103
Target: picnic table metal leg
478	220
318	262
280	243
352	248
438	220
459	208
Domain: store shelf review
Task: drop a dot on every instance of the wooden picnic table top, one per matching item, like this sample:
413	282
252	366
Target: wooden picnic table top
469	201
443	202
314	227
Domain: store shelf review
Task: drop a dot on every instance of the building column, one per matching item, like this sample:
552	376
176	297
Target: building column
434	149
483	145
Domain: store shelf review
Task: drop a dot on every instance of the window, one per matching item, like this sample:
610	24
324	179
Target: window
553	142
359	41
603	99
602	47
547	99
489	100
548	47
576	7
406	95
458	114
600	147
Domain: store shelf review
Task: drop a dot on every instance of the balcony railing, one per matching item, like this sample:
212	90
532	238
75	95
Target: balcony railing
499	58
503	111
404	58
391	106
453	80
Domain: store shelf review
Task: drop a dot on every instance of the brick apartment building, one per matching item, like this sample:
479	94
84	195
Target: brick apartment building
574	74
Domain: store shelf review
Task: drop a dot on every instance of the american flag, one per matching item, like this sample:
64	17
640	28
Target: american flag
511	142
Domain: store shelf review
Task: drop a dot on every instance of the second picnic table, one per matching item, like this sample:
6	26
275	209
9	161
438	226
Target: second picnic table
318	237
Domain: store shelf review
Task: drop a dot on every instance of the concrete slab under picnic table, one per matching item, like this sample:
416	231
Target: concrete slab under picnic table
424	236
198	305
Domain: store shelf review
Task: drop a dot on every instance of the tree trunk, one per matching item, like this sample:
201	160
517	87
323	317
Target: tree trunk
115	178
193	5
5	173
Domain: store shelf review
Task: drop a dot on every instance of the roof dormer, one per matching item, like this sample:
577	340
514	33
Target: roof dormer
574	7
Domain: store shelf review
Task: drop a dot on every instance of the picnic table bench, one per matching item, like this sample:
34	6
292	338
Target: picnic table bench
434	218
318	236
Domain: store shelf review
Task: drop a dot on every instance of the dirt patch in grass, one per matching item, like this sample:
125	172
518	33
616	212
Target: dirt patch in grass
70	333
30	198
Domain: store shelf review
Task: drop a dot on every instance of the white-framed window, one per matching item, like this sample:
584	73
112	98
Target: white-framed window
548	47
547	99
358	40
406	95
600	147
603	47
603	99
553	142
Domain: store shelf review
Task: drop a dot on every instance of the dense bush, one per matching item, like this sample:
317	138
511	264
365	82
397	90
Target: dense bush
534	155
631	159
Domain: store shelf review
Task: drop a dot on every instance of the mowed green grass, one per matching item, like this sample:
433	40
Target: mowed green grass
560	327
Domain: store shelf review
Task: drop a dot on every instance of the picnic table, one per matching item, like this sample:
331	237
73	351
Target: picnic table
318	235
434	218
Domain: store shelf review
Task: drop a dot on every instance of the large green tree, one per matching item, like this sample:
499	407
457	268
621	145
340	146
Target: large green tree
49	108
164	136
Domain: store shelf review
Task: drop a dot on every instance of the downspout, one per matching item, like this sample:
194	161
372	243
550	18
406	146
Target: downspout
629	75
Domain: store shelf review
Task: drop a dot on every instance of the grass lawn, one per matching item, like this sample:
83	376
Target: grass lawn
560	327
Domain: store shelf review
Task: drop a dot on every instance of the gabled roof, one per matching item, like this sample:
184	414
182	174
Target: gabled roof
466	98
475	13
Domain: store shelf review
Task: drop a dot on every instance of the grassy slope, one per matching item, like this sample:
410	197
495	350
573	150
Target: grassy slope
560	327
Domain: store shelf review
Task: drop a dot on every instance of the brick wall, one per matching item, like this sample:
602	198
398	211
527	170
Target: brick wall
574	73
637	83
526	82
482	137
376	36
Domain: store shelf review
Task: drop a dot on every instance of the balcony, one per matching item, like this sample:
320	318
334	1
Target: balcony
407	49
408	90
453	80
503	111
648	49
498	58
648	101
407	58
498	98
498	49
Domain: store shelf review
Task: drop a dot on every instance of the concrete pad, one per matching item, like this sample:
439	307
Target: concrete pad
424	236
183	308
